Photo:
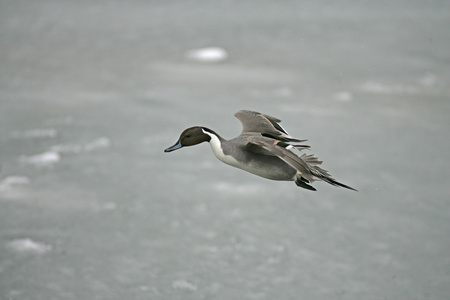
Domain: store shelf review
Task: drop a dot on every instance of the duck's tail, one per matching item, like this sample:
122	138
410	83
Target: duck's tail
317	172
337	183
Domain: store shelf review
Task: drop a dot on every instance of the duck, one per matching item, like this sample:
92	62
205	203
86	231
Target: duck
263	148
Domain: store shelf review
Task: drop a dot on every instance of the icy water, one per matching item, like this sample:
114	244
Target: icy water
91	92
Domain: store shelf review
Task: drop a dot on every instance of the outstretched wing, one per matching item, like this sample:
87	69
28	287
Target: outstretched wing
255	122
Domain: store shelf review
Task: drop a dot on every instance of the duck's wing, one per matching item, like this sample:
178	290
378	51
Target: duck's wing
307	166
255	122
282	150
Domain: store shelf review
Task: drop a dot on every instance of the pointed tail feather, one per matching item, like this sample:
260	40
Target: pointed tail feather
336	183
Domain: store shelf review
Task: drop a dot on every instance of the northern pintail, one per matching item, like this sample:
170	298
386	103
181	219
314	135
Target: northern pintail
263	148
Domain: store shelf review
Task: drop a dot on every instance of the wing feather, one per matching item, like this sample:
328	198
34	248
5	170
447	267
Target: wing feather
286	155
255	122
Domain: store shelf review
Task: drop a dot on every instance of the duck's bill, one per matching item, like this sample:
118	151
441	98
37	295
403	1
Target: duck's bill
174	147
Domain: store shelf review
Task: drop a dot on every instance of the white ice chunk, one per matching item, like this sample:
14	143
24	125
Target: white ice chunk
46	159
99	143
35	133
428	80
11	182
184	285
28	246
343	96
207	55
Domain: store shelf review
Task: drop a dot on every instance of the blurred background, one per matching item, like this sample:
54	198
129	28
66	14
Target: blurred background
91	92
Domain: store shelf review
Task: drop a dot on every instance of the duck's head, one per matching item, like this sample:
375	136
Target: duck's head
190	137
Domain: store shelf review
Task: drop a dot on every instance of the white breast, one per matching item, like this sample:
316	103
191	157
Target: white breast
216	147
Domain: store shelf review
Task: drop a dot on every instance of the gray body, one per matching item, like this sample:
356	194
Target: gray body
240	154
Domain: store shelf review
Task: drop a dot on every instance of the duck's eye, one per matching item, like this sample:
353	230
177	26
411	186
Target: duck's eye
188	136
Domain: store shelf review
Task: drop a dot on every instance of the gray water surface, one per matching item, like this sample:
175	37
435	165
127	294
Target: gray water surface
91	92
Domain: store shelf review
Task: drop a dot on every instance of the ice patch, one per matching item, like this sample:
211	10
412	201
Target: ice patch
343	96
28	246
225	187
46	159
68	148
428	80
208	249
97	144
12	182
60	121
311	111
283	92
184	285
35	133
105	207
379	88
10	187
109	206
207	55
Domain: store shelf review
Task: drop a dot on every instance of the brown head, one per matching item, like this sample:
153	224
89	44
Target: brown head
190	137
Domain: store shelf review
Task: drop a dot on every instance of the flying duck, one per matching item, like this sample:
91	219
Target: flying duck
263	148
